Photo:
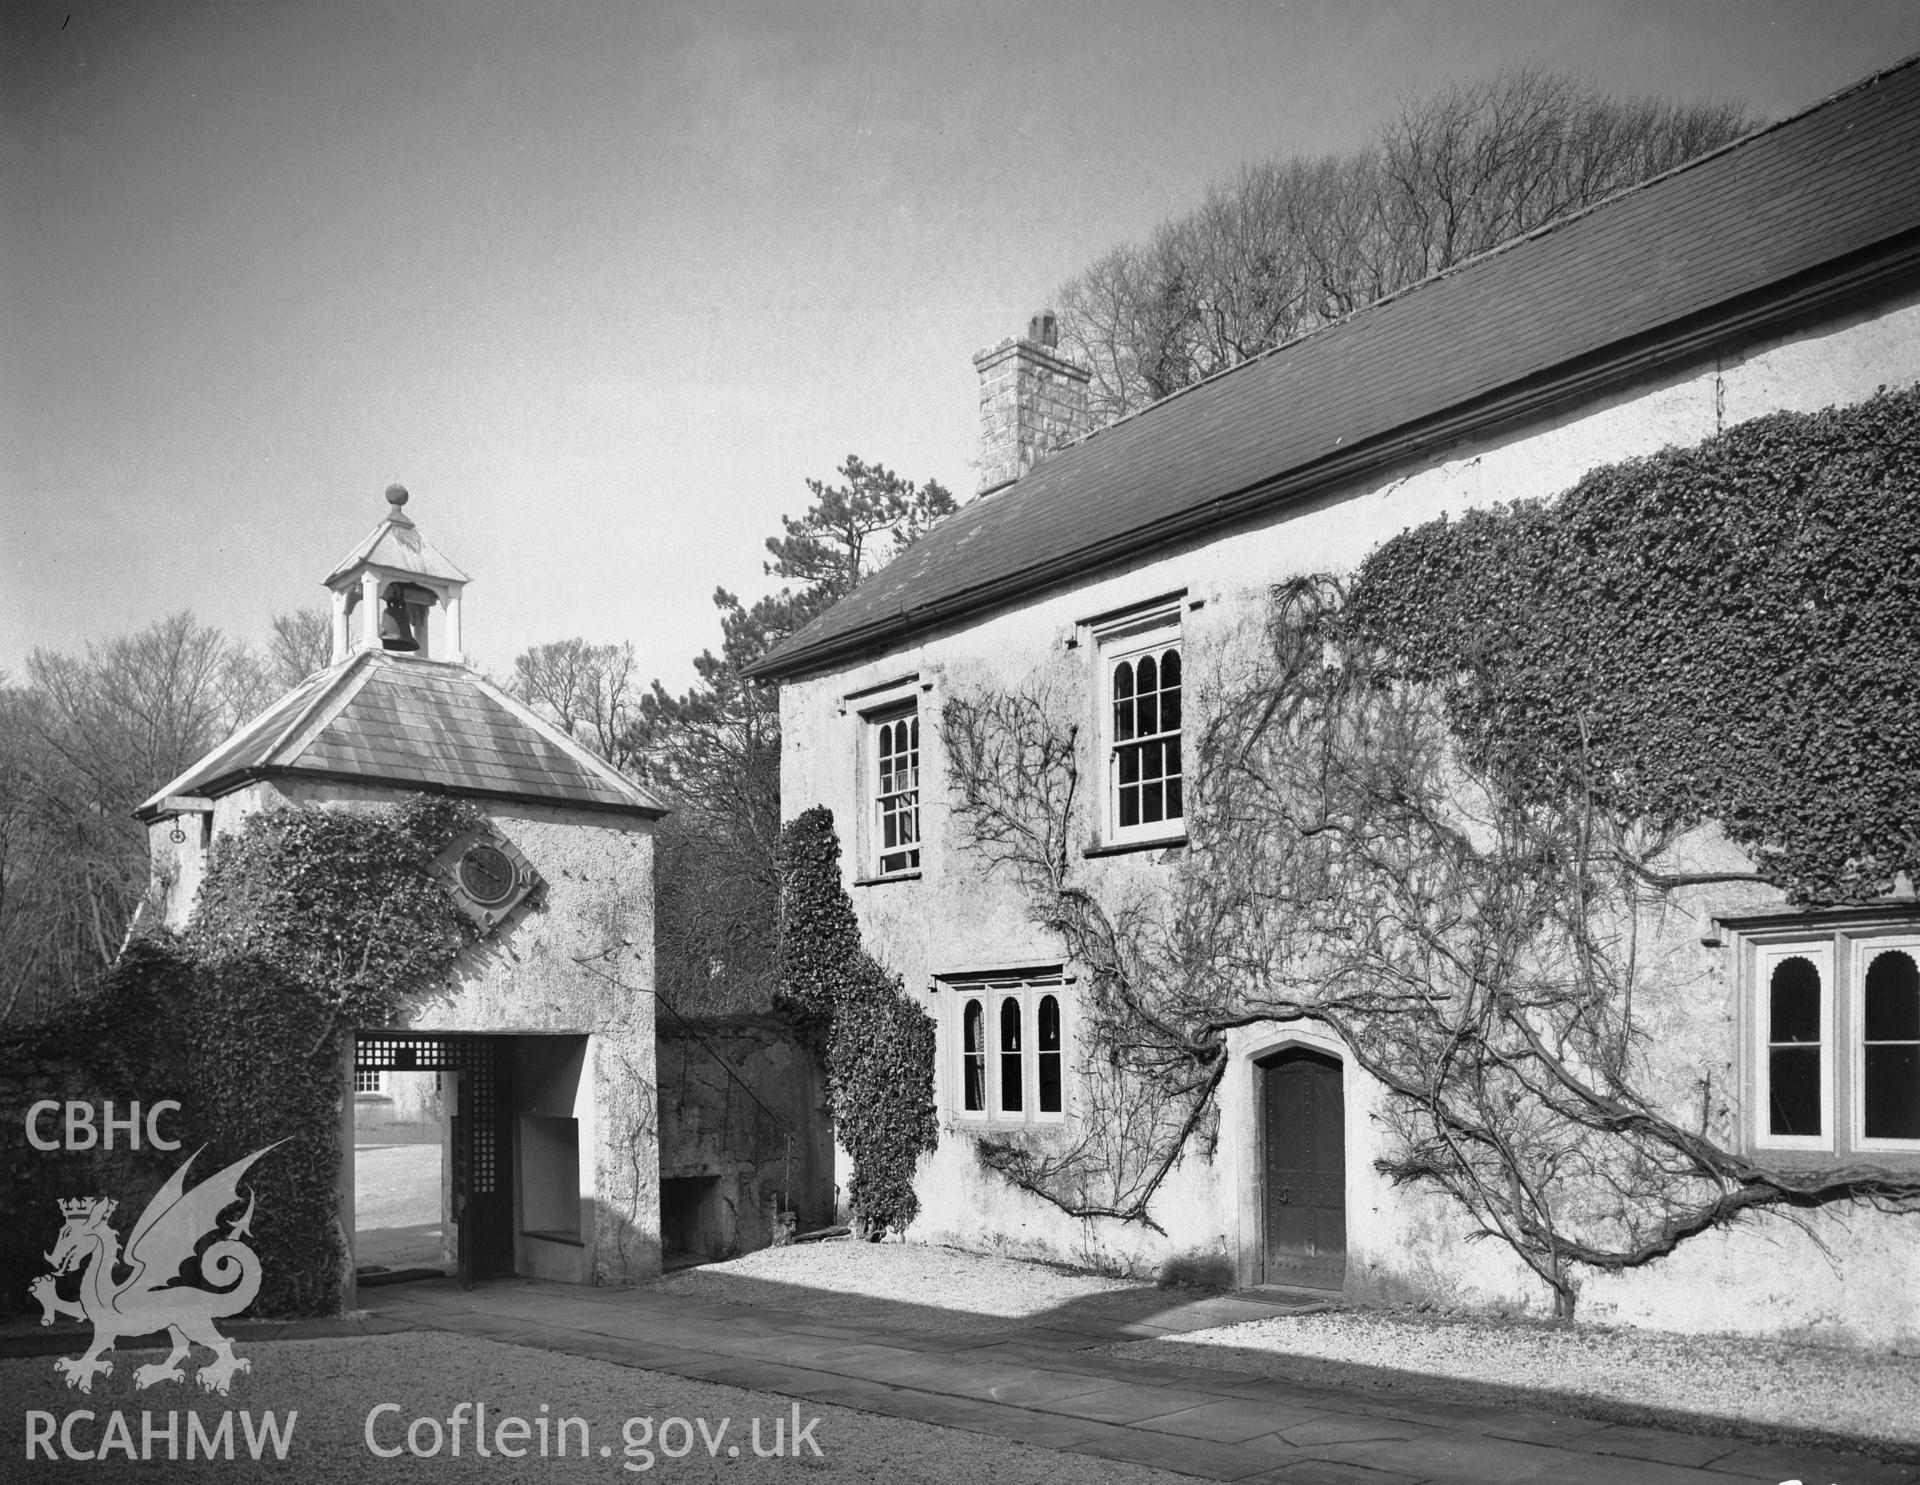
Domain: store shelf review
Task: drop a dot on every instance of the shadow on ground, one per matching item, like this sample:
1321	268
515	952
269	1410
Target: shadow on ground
417	1245
1127	1323
1102	1311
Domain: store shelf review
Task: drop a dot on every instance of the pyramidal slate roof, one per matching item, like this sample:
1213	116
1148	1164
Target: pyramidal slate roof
411	723
1797	217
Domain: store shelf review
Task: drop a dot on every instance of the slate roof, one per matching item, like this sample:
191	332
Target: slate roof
422	724
1750	231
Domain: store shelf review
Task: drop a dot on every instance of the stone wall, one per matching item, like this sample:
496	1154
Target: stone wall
1032	401
745	1132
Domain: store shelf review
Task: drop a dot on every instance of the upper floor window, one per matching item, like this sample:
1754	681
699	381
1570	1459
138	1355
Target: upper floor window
1011	1045
369	1080
895	752
1140	725
1836	1040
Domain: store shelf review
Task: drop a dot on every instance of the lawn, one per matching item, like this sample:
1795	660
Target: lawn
396	1206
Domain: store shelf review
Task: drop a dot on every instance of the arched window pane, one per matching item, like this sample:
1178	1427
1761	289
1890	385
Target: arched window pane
1893	998
1795	1002
1793	1053
973	1042
1891	1097
1011	1071
1122	701
1048	1042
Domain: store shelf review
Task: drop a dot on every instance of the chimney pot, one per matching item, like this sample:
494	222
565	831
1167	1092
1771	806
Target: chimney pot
1044	329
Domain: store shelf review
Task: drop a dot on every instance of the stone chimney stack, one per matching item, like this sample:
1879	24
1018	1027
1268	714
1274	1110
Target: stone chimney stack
1032	401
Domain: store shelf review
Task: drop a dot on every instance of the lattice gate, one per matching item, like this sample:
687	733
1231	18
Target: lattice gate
482	1130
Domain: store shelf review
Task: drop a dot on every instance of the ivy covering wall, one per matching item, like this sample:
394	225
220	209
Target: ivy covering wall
1433	806
126	1039
311	924
1727	632
876	1043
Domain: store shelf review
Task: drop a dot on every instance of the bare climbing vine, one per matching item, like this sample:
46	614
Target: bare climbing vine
1474	940
1148	1083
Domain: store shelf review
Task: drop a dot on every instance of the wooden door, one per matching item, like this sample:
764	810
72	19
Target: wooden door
1306	1171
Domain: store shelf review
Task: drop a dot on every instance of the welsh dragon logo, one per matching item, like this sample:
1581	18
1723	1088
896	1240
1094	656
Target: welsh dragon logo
147	1300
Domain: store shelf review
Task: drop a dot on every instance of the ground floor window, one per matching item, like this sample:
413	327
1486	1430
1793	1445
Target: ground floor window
1009	1041
1835	1038
1890	1045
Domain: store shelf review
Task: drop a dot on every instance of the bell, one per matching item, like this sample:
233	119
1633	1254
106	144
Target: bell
396	633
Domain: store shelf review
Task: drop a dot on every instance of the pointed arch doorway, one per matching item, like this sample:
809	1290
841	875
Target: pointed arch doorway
1304	1173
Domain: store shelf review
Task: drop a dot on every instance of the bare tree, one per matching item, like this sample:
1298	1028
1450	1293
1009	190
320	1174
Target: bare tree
81	746
589	691
1473	165
1288	244
302	643
31	952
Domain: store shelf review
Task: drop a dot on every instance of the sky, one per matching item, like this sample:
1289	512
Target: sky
604	284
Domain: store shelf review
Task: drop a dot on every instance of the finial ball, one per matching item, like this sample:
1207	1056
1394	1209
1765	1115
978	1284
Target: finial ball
396	496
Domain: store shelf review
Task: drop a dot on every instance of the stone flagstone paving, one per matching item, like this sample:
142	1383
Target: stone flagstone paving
1039	1384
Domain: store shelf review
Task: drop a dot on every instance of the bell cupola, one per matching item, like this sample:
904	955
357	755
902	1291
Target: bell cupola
396	592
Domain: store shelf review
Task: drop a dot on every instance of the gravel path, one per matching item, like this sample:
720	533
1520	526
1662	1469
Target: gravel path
916	1287
333	1384
1756	1388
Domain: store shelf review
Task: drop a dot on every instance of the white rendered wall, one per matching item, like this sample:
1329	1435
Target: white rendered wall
580	962
1766	1277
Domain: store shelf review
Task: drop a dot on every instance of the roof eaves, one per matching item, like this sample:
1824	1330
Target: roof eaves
427	786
